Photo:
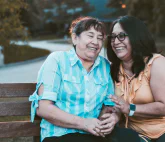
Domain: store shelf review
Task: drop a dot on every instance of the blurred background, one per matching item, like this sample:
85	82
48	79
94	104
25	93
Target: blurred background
32	29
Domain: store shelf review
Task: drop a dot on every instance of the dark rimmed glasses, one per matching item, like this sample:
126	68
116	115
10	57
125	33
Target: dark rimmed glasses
121	36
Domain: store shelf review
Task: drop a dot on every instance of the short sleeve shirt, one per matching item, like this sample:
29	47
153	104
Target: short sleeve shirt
72	89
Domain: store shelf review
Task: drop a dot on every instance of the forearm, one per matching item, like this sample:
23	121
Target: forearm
154	109
59	117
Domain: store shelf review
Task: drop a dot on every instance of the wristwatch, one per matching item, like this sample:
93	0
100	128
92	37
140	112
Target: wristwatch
132	109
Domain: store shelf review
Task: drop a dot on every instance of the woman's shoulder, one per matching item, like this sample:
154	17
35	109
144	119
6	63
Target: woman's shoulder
157	59
154	64
56	55
158	65
105	61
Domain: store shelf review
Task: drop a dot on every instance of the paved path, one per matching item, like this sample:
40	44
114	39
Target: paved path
27	72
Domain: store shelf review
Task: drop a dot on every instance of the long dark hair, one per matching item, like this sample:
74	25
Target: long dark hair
142	44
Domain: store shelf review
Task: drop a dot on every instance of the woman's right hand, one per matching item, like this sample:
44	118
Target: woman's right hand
120	104
93	126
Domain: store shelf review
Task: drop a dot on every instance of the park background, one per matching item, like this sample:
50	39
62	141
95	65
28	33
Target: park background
31	29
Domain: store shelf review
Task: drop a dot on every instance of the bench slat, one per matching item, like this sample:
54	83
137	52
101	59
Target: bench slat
15	108
9	90
19	129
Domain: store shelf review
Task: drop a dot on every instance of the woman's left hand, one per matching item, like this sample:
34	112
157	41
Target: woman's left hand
121	104
108	122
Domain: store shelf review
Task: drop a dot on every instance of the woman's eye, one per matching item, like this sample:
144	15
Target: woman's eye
100	39
121	35
90	36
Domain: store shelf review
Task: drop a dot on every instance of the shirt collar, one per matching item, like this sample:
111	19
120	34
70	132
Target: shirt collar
97	62
74	58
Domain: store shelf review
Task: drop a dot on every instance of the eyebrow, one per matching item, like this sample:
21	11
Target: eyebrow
101	35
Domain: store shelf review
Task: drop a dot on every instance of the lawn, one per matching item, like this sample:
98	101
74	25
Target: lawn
17	53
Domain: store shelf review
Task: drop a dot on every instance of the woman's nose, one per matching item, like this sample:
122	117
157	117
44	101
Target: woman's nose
116	41
95	41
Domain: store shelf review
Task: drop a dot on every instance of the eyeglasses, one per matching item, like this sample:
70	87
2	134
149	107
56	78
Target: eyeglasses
121	36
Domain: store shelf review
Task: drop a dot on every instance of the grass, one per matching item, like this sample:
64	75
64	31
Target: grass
16	53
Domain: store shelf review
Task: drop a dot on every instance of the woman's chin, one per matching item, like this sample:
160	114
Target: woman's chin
120	56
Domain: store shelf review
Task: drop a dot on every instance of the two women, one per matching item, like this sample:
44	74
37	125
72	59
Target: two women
73	86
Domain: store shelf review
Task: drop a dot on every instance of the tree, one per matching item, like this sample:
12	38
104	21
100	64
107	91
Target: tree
150	11
33	15
119	7
66	11
10	24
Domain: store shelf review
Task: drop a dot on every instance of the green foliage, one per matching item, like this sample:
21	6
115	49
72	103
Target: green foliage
65	12
117	4
33	15
15	53
64	6
150	11
10	24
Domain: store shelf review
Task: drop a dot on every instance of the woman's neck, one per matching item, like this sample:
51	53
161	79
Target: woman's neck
127	66
87	64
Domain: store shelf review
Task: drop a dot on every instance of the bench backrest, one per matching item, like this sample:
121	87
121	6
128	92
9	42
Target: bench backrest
15	111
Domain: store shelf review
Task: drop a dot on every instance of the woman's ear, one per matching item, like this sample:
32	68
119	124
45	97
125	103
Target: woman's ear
74	38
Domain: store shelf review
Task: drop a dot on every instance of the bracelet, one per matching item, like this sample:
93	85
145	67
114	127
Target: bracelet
132	109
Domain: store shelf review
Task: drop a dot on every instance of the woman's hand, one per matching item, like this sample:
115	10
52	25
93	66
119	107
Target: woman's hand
93	126
108	122
120	104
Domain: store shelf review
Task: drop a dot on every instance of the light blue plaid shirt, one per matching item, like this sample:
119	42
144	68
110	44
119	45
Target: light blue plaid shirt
72	89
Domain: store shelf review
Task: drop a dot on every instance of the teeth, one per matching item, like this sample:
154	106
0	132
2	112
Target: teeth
120	48
91	48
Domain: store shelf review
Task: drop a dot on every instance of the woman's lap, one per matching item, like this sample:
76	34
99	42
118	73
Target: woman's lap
75	137
117	135
161	138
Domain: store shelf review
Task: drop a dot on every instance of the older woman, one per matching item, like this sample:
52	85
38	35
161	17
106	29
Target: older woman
138	73
72	86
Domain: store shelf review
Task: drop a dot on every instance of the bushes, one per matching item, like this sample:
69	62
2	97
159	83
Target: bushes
16	53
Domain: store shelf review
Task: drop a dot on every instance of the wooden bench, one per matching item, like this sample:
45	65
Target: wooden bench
15	111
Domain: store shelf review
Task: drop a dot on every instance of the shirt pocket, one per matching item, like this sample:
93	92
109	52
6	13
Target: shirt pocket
71	84
101	86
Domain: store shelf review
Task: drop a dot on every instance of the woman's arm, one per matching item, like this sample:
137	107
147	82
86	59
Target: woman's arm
157	84
58	117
